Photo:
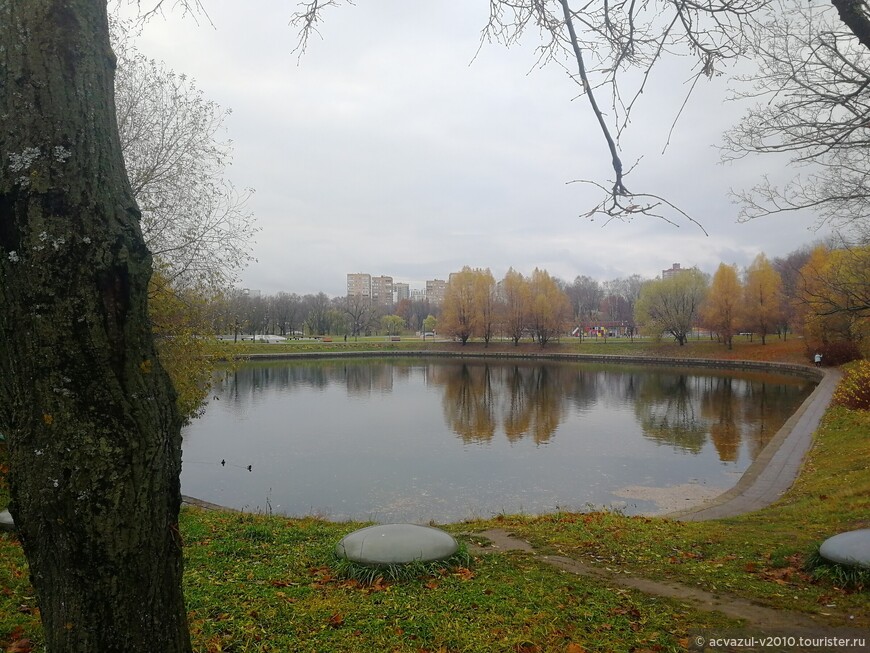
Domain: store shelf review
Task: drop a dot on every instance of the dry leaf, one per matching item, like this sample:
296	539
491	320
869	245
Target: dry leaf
20	646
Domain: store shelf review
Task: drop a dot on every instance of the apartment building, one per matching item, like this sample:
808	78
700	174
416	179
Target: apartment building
435	291
401	291
382	290
359	285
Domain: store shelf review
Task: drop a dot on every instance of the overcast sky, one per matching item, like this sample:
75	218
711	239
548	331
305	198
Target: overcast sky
386	150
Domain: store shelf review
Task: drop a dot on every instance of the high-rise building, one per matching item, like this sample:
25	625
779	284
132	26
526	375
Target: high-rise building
359	285
401	291
382	290
435	290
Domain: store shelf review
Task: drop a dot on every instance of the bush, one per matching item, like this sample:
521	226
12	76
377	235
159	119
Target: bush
854	389
834	353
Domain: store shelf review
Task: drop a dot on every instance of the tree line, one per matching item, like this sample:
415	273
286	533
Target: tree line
821	291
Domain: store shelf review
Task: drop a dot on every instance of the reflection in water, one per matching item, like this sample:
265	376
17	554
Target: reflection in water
520	400
668	411
366	438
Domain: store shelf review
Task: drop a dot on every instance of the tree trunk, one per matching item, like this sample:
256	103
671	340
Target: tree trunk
94	436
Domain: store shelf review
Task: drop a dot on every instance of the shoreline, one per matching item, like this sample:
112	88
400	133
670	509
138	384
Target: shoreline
769	476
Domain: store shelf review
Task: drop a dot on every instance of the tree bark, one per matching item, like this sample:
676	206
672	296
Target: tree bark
94	435
854	16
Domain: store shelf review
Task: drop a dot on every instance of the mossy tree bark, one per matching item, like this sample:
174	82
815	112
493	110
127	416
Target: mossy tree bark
94	437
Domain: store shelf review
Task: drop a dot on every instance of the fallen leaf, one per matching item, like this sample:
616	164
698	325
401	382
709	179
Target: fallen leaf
379	585
20	646
464	573
574	648
336	620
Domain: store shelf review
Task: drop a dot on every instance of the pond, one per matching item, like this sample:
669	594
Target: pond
393	440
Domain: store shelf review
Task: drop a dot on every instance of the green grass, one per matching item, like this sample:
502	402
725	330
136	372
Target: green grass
374	574
792	350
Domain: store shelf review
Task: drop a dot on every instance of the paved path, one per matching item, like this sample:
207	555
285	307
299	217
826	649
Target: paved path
777	466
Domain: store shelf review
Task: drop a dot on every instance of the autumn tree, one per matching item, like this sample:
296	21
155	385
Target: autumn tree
549	308
90	416
722	308
672	305
834	295
515	303
179	318
762	297
193	220
459	313
486	302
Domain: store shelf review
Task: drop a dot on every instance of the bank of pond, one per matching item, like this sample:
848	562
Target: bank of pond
447	439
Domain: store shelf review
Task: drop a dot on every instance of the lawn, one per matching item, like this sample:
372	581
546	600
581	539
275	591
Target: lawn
792	350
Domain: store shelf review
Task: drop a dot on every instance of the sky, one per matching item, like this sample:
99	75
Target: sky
397	145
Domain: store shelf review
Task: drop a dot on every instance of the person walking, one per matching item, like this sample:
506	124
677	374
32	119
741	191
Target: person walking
818	360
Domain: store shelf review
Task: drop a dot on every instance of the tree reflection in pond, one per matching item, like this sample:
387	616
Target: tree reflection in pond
446	439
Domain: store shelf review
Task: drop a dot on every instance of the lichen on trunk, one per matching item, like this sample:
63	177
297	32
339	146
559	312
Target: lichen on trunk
94	435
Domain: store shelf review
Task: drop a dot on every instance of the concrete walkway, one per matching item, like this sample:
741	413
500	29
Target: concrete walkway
775	469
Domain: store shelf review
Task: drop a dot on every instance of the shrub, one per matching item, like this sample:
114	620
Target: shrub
854	389
834	353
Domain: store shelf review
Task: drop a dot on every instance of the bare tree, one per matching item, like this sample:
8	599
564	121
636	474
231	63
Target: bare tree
812	87
194	220
286	309
359	312
585	295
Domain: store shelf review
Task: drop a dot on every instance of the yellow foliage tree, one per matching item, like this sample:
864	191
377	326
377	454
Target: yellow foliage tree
515	299
185	341
722	306
459	315
486	302
834	295
549	308
762	297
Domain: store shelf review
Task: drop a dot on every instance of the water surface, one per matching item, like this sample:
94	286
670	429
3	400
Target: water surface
445	439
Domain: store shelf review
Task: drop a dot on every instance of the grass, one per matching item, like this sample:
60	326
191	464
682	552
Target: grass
266	583
792	350
373	574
